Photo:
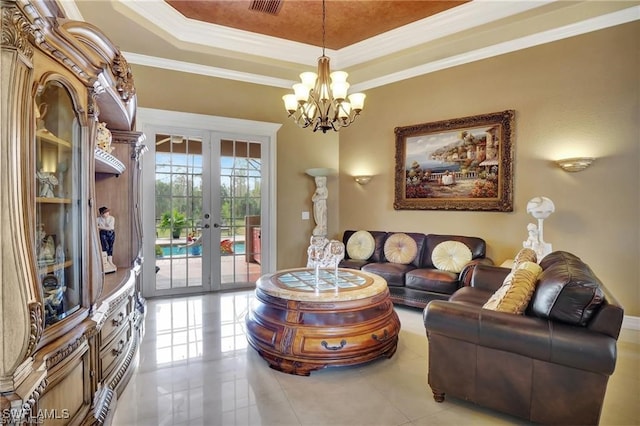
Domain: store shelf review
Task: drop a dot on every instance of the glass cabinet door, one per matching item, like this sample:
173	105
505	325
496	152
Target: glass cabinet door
58	193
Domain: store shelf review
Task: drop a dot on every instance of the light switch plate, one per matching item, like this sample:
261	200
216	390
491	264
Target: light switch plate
305	215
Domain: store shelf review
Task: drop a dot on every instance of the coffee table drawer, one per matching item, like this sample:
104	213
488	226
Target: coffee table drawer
348	343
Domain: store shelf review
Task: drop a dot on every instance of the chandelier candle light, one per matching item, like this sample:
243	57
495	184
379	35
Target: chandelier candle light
318	103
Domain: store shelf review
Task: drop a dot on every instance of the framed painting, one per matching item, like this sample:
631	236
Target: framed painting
459	164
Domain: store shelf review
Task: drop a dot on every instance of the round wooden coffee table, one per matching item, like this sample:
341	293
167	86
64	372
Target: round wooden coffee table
299	325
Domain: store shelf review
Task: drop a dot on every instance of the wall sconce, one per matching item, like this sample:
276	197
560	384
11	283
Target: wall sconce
575	164
363	180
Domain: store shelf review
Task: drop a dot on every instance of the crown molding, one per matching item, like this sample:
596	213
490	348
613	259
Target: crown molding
592	24
460	18
466	16
578	28
192	68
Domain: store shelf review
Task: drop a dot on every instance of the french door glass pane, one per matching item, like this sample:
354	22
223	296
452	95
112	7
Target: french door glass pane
178	212
240	197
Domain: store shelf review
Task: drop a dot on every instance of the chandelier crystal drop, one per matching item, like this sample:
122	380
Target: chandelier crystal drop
320	101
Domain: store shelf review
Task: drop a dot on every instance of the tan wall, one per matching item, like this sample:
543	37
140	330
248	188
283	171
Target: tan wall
580	93
574	97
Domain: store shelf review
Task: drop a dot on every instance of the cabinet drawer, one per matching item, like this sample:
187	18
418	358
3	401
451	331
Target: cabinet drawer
114	351
114	322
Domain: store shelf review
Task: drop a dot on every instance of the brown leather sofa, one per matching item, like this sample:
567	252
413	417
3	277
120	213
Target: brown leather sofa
419	282
550	365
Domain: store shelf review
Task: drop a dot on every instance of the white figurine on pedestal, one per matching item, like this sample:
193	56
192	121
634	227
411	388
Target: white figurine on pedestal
540	208
320	206
319	199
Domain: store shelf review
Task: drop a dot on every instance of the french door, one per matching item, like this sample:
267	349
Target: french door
207	204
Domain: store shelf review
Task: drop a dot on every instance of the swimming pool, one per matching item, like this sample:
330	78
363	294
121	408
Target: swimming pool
196	250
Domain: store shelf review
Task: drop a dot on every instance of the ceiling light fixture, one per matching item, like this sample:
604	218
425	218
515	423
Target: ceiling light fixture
321	105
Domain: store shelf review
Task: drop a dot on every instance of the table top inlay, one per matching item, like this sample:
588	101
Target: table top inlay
301	284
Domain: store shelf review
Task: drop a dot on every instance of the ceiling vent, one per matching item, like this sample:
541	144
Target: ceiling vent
271	7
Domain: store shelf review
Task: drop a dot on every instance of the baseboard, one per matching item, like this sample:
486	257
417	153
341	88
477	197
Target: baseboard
632	323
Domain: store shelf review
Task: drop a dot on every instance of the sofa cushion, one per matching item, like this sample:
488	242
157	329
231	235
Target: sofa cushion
393	273
515	294
432	280
400	248
352	263
567	290
360	245
451	256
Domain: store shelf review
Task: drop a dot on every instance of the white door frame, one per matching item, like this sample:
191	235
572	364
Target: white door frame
147	118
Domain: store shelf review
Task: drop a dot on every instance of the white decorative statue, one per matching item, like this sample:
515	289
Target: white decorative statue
540	208
324	254
320	206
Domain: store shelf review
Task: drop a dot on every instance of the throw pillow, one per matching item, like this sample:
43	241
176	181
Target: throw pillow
516	290
400	248
360	245
524	255
451	256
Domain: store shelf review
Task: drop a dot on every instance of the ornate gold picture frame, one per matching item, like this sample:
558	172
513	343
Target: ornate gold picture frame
459	164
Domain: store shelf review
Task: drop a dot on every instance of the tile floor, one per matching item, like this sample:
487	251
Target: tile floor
197	369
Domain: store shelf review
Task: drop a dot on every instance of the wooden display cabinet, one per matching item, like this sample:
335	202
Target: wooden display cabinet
70	332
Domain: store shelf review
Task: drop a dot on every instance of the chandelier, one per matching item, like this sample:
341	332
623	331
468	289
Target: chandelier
320	104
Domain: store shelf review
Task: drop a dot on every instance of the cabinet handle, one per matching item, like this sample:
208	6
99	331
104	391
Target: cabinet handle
116	352
117	322
333	348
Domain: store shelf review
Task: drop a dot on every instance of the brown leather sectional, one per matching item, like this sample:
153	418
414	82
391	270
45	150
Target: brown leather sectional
550	365
419	282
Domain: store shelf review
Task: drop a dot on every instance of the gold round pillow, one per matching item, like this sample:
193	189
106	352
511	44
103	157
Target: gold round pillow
524	255
400	248
451	256
500	296
523	284
360	245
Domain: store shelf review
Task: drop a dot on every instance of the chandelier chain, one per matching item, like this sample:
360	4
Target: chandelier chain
324	15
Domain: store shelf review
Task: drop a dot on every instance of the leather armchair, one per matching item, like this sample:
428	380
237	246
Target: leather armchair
550	365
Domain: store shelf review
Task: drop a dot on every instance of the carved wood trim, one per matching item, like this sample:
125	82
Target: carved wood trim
126	363
122	71
16	30
115	303
36	328
64	351
102	405
129	137
30	402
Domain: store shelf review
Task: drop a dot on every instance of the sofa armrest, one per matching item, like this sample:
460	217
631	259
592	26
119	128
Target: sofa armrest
483	275
538	338
467	270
